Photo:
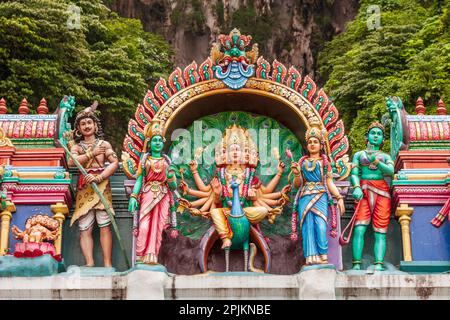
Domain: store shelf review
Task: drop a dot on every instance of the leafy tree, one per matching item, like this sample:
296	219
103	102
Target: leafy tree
408	56
106	58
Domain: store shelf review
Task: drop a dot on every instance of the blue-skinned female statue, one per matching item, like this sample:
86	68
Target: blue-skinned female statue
313	177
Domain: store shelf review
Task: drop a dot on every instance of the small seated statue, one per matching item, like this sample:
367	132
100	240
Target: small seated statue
38	228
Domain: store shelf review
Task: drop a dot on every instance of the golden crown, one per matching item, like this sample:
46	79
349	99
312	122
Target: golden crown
240	136
315	132
375	124
154	128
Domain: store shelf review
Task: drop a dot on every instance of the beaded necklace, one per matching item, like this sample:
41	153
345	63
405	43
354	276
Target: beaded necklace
249	173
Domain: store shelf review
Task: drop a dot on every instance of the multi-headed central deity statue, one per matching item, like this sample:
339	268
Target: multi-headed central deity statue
235	198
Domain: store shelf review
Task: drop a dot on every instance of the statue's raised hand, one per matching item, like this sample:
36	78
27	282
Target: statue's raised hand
295	168
184	187
133	205
216	186
371	156
99	150
286	189
89	178
281	167
193	165
183	202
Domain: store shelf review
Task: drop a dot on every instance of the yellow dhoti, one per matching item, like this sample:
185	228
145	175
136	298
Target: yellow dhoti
219	217
88	199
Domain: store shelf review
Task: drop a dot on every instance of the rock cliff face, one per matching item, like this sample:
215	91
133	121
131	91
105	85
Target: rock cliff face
292	31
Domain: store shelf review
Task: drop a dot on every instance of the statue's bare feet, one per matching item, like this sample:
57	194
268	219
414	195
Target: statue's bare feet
379	267
226	243
356	266
323	259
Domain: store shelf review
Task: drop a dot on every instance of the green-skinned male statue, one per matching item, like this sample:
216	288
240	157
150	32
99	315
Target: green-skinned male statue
372	193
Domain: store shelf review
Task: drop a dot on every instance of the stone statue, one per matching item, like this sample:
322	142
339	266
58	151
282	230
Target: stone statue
313	177
38	228
152	196
235	198
38	237
93	153
372	193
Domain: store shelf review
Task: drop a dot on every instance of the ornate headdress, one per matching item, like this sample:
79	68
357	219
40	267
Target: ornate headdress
375	124
237	135
315	132
154	128
88	112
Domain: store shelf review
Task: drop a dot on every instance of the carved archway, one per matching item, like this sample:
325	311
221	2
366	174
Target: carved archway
233	79
297	102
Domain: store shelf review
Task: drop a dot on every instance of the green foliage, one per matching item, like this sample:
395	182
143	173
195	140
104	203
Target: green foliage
408	56
109	59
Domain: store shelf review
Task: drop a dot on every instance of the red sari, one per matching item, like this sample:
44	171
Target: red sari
155	202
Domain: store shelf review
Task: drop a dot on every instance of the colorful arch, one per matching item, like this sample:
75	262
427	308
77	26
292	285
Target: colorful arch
232	71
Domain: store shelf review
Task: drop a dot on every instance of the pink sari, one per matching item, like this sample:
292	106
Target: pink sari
154	211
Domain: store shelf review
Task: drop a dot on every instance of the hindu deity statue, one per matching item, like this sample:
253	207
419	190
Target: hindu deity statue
151	200
313	203
38	228
41	231
235	198
100	161
372	193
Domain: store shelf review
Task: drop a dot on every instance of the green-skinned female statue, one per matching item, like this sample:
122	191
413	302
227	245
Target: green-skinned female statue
151	200
372	193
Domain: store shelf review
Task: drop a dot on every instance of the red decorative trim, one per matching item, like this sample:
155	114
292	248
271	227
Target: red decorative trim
420	195
426	159
309	88
140	111
176	77
38	194
191	71
39	157
262	66
294	78
277	75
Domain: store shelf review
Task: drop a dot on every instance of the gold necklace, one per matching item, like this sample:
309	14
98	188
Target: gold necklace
234	171
314	163
155	164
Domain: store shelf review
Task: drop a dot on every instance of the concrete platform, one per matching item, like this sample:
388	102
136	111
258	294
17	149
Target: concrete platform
311	284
